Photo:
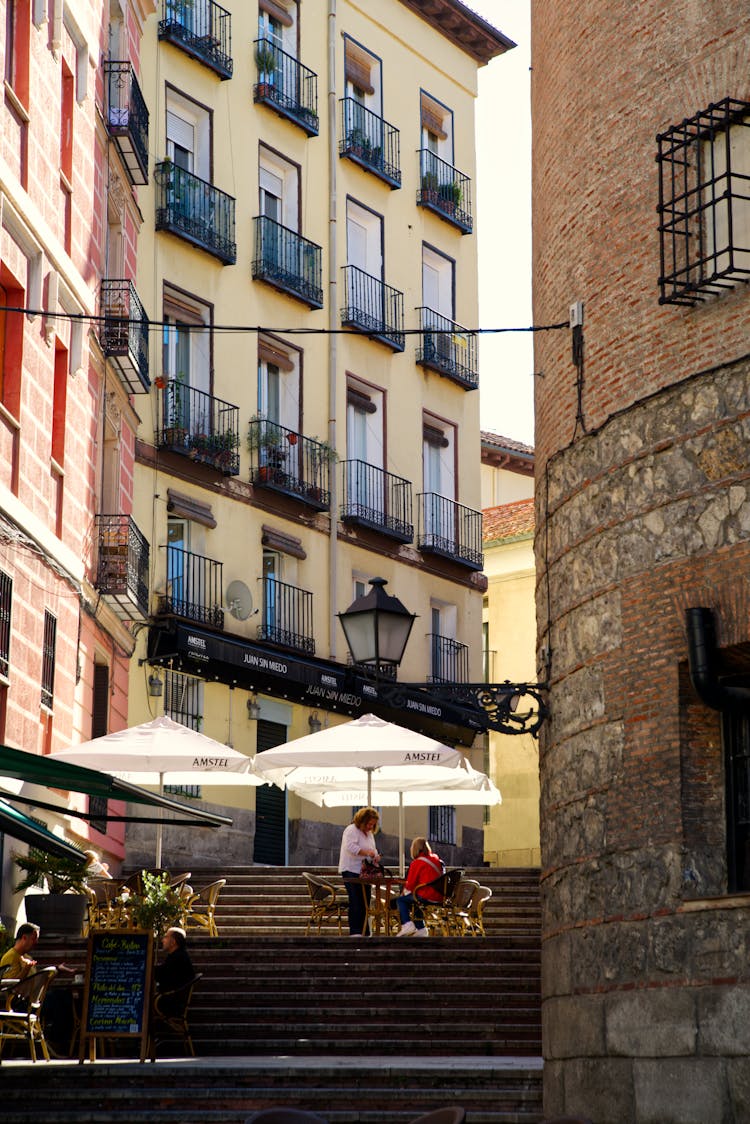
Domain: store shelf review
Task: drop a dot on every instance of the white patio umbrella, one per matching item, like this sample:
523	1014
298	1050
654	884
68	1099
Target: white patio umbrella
401	766
163	752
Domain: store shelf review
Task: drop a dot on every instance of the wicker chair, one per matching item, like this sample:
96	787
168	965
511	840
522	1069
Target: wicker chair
439	914
175	1021
200	909
25	1024
481	896
460	921
325	903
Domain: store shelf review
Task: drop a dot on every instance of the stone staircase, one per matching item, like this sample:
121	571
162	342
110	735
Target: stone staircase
357	1029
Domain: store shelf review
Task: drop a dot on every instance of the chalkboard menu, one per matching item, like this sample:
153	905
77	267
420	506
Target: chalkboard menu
118	987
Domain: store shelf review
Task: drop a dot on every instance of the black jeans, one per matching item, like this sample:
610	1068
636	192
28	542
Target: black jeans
357	908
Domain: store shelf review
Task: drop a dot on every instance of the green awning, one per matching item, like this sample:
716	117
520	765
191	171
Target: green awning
45	770
21	827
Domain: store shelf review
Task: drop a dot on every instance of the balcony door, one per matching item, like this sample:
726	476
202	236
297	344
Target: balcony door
437	299
178	545
186	363
365	452
270	845
439	478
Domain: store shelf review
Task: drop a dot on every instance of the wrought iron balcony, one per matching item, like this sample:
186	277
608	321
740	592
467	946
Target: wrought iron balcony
202	29
370	141
200	426
444	190
447	348
288	261
284	461
194	588
127	119
449	529
286	86
123	333
449	660
195	210
377	499
287	616
122	566
373	307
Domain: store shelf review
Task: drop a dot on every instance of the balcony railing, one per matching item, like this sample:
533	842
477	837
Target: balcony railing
202	29
370	141
449	660
448	348
373	307
287	462
127	119
123	566
286	86
288	261
200	426
287	616
449	529
123	333
194	587
444	190
195	210
377	499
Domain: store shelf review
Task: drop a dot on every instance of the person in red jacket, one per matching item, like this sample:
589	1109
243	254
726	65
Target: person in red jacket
425	866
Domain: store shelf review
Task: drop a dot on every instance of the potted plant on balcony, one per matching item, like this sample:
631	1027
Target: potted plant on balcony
320	453
451	195
265	438
62	908
265	60
175	430
430	188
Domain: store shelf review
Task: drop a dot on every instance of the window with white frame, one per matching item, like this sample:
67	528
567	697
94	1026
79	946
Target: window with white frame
364	448
188	134
437	289
186	360
364	239
278	182
278	383
439	479
436	122
277	24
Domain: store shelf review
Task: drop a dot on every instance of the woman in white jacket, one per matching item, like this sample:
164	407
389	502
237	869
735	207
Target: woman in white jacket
358	843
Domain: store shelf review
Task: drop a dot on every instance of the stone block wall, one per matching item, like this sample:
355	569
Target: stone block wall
643	510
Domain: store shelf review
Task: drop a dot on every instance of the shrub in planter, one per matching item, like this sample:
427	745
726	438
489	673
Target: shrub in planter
63	908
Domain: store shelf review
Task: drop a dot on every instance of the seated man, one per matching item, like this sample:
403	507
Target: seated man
174	972
17	963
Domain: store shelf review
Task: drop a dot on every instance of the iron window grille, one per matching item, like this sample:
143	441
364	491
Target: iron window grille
127	119
123	565
48	659
445	191
195	210
288	261
183	703
98	812
373	307
377	499
287	86
370	141
446	347
194	585
287	616
704	203
123	333
6	597
442	824
202	29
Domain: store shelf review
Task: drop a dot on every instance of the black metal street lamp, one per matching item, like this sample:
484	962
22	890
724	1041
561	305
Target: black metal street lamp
377	627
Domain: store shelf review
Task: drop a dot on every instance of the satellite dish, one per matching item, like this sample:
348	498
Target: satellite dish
239	600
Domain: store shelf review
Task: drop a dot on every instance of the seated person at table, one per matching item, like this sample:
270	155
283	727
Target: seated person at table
94	868
358	843
174	972
17	962
425	866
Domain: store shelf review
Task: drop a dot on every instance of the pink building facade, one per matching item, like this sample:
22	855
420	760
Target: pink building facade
73	566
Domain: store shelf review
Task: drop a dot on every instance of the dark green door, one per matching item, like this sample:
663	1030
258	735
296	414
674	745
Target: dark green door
270	805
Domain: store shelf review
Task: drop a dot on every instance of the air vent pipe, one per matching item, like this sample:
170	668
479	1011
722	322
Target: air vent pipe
714	692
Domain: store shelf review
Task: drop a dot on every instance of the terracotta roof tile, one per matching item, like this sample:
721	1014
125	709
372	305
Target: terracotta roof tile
508	521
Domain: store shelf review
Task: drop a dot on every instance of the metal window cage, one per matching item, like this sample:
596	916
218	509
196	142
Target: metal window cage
704	203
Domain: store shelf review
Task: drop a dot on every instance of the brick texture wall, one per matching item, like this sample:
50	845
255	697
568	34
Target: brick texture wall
643	509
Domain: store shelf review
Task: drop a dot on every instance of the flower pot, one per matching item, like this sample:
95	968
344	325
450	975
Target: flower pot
57	913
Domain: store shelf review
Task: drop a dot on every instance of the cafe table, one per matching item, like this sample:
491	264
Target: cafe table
384	921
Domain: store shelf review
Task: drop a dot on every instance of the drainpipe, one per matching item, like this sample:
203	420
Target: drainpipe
332	323
719	694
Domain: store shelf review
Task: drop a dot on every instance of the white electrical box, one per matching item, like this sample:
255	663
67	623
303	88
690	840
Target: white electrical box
576	314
